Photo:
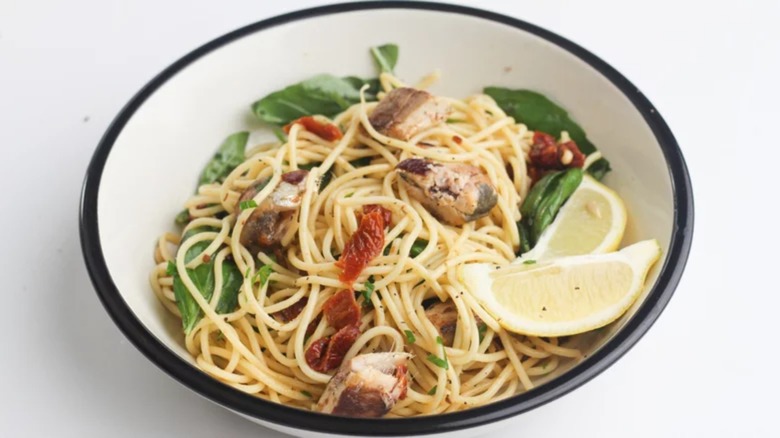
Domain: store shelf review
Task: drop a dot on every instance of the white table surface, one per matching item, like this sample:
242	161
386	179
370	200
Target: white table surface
709	367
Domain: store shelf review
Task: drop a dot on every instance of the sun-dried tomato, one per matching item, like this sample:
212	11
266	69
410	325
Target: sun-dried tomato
325	131
365	244
547	154
387	215
326	354
292	312
342	309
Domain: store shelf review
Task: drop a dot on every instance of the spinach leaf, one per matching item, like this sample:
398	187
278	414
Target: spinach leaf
361	162
323	94
418	247
183	218
227	158
599	168
326	177
203	277
385	56
541	114
231	284
543	203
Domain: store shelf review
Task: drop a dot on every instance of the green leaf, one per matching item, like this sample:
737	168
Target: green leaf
529	262
279	134
481	329
439	362
410	339
170	269
599	168
417	247
385	56
374	87
433	390
183	218
541	114
203	278
369	289
306	393
323	94
243	205
227	158
262	274
231	285
361	162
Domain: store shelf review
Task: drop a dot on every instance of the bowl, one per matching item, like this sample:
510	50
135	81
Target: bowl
148	161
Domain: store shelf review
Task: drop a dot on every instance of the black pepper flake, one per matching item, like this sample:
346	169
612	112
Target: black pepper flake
544	309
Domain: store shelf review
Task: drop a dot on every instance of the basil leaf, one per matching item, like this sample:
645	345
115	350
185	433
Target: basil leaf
231	285
229	155
385	56
374	87
323	94
540	114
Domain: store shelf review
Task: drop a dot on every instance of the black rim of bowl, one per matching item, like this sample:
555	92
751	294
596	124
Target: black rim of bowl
294	418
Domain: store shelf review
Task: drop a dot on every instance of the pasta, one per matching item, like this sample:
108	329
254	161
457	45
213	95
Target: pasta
255	348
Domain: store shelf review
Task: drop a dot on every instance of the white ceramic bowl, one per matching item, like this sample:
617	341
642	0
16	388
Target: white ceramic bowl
148	161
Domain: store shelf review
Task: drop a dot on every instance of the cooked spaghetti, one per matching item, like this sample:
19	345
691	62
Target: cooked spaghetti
260	345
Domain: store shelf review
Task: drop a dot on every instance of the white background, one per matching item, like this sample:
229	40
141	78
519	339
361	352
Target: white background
709	367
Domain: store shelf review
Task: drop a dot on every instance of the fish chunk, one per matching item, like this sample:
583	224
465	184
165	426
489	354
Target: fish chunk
454	193
367	386
405	111
270	220
444	316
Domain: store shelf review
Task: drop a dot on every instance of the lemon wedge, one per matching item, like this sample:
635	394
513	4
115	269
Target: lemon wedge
564	296
591	222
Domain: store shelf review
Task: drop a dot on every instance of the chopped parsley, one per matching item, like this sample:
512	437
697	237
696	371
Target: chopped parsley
247	204
439	361
306	393
262	274
433	390
410	339
481	328
369	289
529	262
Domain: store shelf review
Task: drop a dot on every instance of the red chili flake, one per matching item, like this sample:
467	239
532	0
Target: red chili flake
342	309
457	139
206	258
326	131
292	312
365	244
326	354
403	381
387	215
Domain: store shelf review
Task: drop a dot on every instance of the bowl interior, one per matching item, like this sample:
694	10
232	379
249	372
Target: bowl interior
155	161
